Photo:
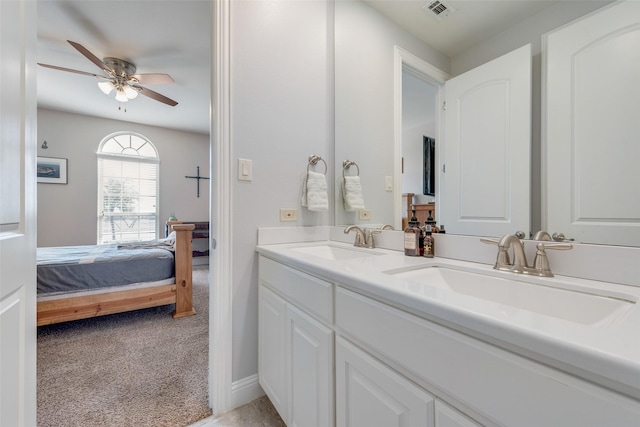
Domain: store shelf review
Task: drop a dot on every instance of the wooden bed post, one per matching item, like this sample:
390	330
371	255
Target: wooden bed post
184	284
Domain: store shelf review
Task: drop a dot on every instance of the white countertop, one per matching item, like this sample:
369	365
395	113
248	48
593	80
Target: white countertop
607	352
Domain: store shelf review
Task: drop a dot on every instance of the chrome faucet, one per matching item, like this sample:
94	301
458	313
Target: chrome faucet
540	263
519	264
542	235
361	238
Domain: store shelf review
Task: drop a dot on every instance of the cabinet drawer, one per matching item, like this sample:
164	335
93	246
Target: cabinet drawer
305	291
505	387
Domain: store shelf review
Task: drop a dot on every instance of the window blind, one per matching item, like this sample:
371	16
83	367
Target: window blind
127	200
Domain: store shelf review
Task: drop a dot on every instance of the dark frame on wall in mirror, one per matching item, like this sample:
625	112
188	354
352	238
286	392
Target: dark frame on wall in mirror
429	174
52	170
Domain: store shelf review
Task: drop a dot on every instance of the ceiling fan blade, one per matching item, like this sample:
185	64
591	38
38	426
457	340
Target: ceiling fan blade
153	78
155	95
91	57
55	67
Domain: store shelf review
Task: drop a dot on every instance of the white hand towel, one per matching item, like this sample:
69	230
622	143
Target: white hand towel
352	194
314	192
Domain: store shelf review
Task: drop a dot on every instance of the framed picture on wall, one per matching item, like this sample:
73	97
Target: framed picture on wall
52	170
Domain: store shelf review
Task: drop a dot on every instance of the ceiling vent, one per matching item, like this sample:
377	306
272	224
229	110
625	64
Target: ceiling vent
438	9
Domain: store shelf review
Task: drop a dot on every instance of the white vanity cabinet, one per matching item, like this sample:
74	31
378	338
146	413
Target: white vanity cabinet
332	352
497	386
296	352
446	416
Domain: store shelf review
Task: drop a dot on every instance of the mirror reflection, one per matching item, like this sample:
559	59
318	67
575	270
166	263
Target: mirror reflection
366	120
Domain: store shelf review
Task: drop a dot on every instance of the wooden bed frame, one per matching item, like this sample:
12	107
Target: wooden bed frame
118	301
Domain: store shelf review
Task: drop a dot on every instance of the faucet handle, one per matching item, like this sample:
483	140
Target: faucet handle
559	237
502	260
489	241
541	261
369	232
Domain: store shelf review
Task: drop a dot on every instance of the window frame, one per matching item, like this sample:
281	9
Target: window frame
137	159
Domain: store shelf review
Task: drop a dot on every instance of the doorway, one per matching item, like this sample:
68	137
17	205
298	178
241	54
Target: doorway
419	89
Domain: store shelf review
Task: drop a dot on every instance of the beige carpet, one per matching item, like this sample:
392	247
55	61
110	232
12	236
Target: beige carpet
141	368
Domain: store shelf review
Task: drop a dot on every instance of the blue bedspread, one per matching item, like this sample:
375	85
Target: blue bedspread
77	268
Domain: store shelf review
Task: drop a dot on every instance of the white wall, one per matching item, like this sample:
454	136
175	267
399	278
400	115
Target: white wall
281	113
364	133
67	214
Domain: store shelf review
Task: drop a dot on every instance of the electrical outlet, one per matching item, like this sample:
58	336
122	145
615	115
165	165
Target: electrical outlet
365	214
288	215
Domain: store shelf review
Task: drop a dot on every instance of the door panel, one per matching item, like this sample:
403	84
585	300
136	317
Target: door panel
487	154
17	213
272	347
311	364
592	154
371	394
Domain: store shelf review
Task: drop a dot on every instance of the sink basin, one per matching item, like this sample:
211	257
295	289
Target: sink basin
571	302
334	253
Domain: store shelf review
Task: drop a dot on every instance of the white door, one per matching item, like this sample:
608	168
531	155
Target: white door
17	213
592	127
371	394
486	158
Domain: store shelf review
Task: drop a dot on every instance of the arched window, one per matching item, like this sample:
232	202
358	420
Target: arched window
128	167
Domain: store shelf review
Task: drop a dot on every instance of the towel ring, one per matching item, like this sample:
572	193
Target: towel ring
313	160
347	164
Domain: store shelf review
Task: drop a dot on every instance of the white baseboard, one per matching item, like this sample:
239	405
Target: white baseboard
245	390
242	392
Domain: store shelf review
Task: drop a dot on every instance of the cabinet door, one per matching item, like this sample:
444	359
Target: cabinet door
446	416
310	361
272	372
368	393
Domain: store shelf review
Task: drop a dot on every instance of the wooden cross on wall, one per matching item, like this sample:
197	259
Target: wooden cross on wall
197	178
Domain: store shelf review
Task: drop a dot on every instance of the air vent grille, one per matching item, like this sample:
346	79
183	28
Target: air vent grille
438	9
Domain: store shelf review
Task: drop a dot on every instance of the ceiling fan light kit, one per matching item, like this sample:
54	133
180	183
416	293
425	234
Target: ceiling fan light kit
121	77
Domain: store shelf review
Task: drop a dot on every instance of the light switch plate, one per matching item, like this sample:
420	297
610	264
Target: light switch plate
245	170
288	215
389	183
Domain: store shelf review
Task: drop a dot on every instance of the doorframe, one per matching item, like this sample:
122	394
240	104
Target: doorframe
220	271
405	60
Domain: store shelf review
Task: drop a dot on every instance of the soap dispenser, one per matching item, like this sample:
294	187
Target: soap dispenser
412	237
429	243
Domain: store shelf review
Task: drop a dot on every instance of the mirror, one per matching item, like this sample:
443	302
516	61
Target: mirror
365	116
364	122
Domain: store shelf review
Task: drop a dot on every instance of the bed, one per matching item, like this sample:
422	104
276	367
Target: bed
79	282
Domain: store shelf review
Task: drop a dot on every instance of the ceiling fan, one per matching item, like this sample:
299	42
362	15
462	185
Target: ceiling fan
121	77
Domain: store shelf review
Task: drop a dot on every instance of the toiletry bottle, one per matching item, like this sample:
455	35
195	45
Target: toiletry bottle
430	220
442	230
412	237
429	244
